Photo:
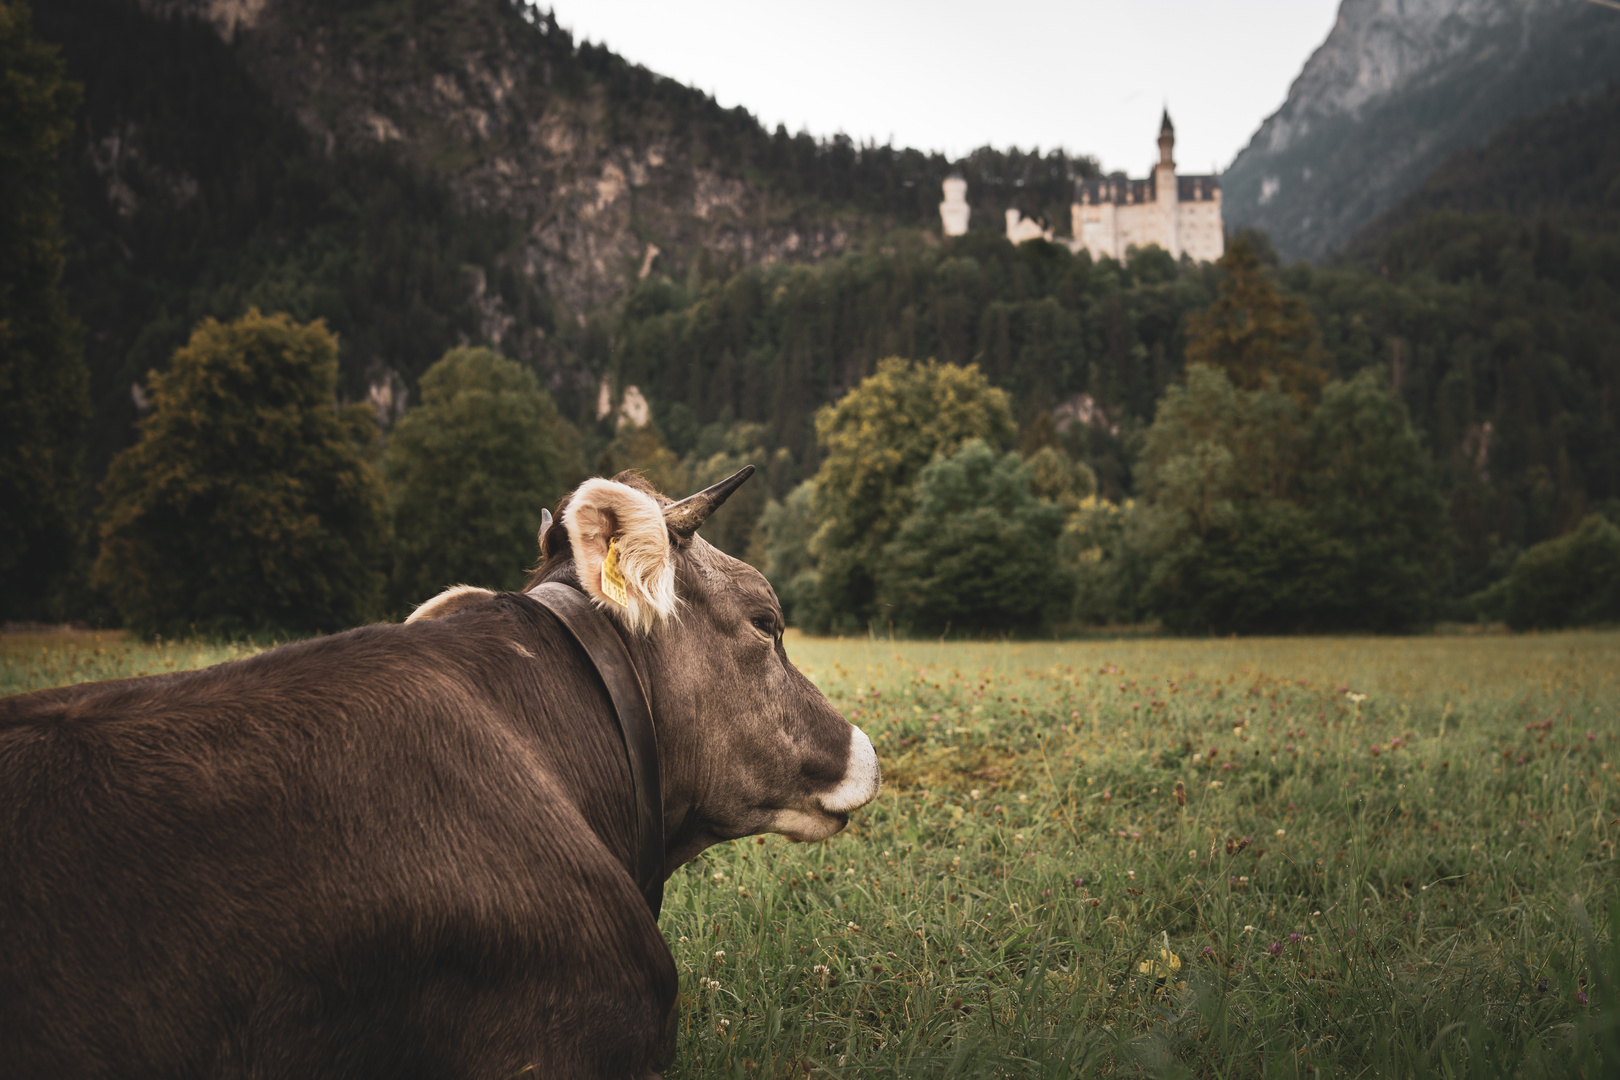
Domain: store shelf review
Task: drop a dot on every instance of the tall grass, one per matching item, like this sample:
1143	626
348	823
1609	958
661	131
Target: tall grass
1398	884
1392	857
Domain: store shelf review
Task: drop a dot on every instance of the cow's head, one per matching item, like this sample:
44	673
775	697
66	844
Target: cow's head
746	743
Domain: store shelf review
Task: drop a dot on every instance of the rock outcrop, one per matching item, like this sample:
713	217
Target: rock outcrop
499	102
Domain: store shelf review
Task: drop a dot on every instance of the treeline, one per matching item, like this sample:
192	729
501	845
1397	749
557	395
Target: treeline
251	503
1262	511
1084	347
1500	337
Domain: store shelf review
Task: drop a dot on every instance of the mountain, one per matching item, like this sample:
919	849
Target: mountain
1562	164
426	173
1397	87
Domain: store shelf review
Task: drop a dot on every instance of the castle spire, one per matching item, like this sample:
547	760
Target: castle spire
1167	140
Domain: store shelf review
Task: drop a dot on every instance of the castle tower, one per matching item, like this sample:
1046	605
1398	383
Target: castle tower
955	211
1181	214
1165	189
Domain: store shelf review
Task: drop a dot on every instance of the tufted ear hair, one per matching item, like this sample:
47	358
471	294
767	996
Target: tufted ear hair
450	601
602	511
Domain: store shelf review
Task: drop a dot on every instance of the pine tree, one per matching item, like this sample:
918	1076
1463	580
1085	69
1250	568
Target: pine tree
44	399
1254	333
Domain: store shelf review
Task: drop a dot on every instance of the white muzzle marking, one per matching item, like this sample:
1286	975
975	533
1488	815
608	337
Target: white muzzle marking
862	777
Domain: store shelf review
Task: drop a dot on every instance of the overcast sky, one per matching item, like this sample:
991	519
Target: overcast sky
1086	75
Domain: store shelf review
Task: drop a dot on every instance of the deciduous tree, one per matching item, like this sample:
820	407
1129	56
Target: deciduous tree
469	471
877	439
1264	521
1573	580
248	503
977	552
1369	483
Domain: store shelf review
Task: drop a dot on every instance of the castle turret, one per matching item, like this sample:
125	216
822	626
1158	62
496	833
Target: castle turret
955	211
1167	141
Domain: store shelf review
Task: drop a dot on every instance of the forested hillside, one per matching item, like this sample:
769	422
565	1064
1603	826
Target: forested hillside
1502	337
1084	349
466	173
1562	164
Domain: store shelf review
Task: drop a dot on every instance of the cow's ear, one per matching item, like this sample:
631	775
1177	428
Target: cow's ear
638	585
452	600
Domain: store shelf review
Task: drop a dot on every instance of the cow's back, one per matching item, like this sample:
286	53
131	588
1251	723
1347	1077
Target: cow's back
363	855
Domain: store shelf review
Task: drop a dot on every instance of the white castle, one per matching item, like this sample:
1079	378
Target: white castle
1110	215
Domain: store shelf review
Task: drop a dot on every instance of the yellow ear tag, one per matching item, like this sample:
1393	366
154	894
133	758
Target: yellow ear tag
613	582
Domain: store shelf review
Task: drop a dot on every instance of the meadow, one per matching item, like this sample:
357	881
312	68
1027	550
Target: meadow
1216	858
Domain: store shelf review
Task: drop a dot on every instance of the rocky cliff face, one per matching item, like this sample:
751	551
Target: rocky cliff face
1397	87
497	101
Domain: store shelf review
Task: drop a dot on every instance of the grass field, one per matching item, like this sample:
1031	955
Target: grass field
34	661
1293	857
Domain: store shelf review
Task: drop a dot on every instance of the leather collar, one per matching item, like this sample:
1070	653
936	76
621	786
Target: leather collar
599	638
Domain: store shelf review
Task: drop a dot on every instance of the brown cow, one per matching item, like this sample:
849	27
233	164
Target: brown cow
405	850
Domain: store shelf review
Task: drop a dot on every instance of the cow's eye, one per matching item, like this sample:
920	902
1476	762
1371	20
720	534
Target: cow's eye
765	625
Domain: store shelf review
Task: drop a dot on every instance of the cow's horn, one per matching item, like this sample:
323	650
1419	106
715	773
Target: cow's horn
687	516
545	527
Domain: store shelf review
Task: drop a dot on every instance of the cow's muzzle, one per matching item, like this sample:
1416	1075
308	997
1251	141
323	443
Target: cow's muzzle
827	813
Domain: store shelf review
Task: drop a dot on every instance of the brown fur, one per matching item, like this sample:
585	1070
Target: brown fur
377	854
403	851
